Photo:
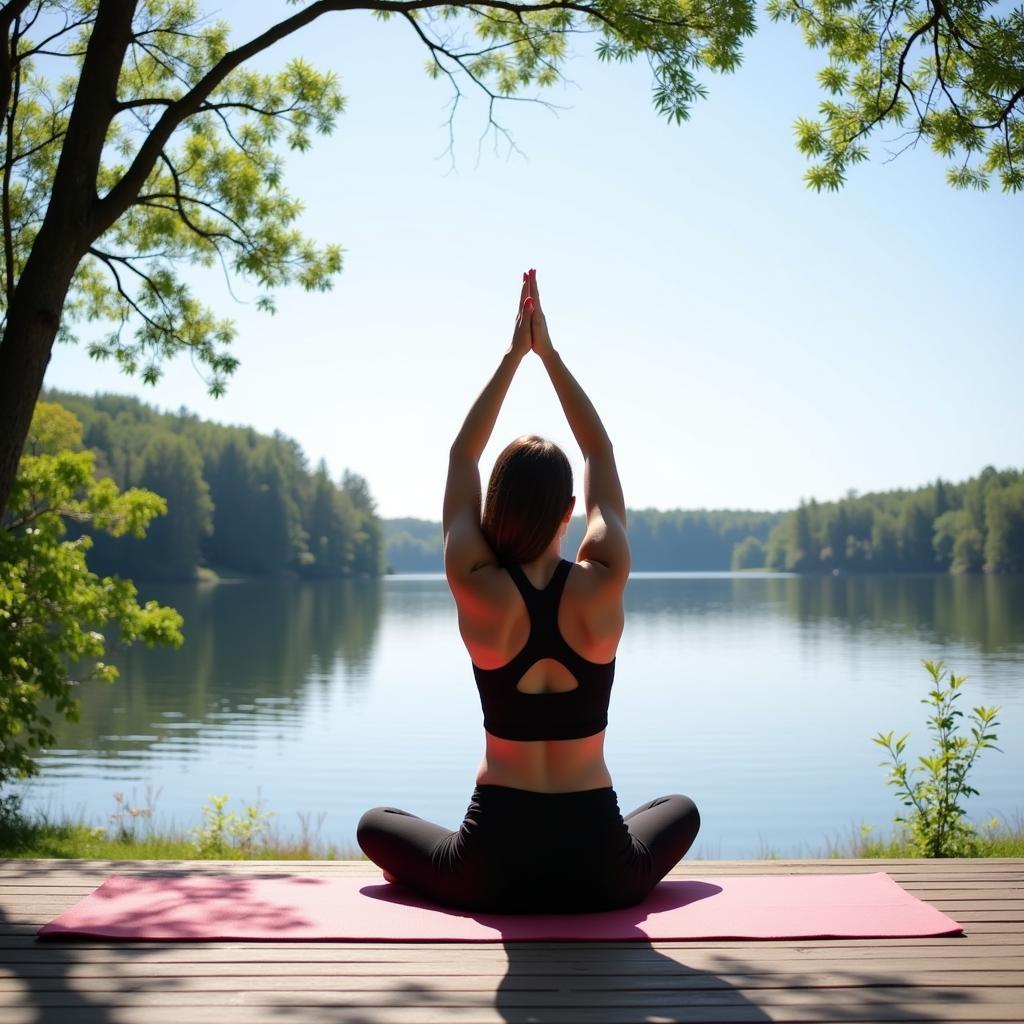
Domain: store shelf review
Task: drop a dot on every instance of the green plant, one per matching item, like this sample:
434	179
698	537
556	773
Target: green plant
227	833
933	790
58	620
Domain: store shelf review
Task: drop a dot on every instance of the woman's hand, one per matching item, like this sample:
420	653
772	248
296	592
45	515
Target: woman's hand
541	339
522	336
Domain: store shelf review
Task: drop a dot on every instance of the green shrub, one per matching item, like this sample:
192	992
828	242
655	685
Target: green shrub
227	834
936	825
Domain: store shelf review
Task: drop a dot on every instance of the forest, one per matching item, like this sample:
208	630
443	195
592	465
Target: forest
968	527
239	503
677	540
244	503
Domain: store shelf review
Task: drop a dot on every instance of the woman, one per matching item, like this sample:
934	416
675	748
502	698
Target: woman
543	830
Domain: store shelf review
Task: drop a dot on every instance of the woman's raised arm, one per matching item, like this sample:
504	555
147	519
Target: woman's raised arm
465	549
604	542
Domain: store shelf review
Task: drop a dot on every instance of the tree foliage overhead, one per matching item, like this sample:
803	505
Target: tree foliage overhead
169	190
948	73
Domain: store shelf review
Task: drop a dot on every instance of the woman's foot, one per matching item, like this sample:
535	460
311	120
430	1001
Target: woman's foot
388	877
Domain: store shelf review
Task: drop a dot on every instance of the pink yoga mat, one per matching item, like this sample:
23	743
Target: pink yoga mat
305	909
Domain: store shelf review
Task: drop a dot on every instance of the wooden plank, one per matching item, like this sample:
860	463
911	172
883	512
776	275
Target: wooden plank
455	1015
843	1004
208	977
182	994
586	957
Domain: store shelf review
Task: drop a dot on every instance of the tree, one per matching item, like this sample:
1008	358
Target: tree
158	150
274	519
52	608
802	552
1004	544
369	541
172	468
231	489
916	533
332	524
968	552
748	554
946	530
949	74
885	542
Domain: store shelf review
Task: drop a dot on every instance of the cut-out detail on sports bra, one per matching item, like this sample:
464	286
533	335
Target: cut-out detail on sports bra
556	672
514	714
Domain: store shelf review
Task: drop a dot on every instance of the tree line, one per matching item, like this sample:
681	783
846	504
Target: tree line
660	541
973	526
237	500
969	527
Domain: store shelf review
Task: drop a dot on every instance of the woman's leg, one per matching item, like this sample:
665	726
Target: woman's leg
430	859
400	843
666	828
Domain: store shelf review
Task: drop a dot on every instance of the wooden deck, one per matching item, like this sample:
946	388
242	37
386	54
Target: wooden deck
977	978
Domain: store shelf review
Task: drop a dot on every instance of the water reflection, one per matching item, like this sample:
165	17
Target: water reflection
983	612
253	654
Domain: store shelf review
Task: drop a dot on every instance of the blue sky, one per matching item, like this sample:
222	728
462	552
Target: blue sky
746	341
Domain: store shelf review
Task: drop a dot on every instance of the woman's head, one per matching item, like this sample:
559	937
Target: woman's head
528	496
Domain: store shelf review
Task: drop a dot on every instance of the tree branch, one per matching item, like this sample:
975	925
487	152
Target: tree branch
117	200
5	191
40	47
9	14
109	259
1005	112
178	196
900	84
459	58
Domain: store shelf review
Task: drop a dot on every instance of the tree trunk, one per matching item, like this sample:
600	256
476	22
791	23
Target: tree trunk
32	323
70	225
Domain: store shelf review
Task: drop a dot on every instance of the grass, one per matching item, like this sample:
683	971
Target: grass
994	839
132	835
249	836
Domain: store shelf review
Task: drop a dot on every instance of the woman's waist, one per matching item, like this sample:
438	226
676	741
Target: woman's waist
518	820
545	766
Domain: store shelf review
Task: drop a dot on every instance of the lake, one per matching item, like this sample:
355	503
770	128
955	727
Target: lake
755	694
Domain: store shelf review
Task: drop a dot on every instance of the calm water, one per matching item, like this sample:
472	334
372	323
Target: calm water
755	695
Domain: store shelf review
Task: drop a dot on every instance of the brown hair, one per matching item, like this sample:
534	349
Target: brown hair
527	496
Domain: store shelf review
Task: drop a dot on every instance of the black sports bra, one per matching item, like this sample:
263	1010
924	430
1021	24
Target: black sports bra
511	714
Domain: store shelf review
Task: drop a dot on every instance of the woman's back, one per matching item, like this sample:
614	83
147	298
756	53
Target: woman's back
544	671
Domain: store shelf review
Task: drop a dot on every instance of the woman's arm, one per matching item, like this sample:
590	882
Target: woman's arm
604	542
465	549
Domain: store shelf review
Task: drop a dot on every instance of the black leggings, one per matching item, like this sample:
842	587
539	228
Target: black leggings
523	852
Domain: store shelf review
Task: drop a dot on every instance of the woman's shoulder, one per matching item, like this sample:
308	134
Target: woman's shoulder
590	614
594	581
